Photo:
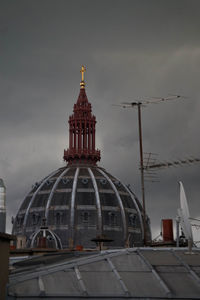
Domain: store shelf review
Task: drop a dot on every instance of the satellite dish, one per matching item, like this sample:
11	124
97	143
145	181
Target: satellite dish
184	215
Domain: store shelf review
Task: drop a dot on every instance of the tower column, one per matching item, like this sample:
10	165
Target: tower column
93	137
75	130
89	135
70	135
79	135
85	134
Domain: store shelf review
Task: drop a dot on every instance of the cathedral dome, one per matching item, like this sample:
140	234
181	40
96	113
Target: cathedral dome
82	201
79	203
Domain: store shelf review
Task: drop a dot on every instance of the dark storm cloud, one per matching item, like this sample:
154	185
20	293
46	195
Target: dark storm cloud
131	49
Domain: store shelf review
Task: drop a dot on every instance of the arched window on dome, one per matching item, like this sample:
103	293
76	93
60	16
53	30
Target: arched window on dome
35	219
132	219
112	219
85	217
58	218
19	221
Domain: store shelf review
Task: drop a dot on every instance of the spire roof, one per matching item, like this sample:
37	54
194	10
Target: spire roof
82	130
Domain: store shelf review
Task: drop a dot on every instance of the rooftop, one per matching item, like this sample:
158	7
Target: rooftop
137	273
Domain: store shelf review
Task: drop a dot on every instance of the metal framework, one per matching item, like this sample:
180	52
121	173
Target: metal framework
52	193
120	204
34	195
98	203
73	203
140	254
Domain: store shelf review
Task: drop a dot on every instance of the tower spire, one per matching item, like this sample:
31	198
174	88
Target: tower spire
82	130
82	83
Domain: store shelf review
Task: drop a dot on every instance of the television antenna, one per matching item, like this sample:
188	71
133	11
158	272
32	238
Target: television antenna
175	163
184	217
138	104
150	175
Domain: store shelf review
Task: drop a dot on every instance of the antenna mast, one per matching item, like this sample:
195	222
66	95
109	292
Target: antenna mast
139	104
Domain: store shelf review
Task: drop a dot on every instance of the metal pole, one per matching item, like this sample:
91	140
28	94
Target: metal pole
177	231
142	169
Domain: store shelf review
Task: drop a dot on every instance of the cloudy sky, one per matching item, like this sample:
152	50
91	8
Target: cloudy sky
132	49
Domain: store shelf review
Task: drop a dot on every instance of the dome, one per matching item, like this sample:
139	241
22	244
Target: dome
82	202
44	238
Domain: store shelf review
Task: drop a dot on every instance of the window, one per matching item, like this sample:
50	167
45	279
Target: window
85	217
35	219
132	220
58	218
112	219
34	222
20	221
84	180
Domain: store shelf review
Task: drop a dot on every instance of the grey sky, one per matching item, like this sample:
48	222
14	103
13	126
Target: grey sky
131	49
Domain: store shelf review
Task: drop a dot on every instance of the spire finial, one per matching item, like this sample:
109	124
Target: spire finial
82	84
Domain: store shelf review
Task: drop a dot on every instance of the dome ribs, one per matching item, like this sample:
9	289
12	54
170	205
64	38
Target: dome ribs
34	195
98	203
52	193
137	208
72	210
111	209
120	204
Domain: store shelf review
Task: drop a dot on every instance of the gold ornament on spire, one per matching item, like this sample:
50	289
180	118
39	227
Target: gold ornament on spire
82	84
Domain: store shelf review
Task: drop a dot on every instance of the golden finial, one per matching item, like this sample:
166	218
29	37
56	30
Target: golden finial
82	84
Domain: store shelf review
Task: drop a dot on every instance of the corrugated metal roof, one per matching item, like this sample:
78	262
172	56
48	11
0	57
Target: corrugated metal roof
138	273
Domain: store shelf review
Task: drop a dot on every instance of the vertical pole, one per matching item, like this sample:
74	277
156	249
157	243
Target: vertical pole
142	169
177	231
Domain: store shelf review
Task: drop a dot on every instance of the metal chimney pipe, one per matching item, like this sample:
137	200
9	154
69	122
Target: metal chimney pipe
167	225
2	206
